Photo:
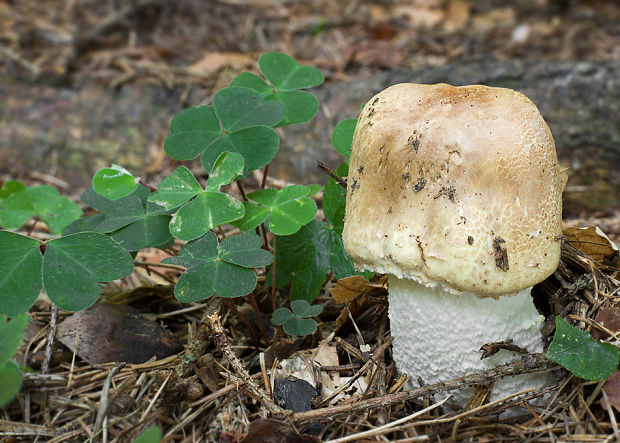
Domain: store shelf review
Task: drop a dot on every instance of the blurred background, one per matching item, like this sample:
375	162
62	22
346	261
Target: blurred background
84	83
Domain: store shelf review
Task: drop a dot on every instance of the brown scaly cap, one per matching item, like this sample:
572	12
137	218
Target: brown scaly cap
459	186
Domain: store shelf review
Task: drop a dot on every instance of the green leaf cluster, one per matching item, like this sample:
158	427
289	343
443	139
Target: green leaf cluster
578	352
297	320
205	209
243	115
19	203
70	269
132	221
11	335
222	269
288	209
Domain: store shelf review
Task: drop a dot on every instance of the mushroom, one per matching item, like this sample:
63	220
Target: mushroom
455	193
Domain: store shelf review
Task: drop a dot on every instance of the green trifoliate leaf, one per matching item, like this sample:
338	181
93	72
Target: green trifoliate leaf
20	273
238	107
304	258
16	210
11	336
342	136
290	208
302	309
42	201
578	352
285	74
191	132
254	215
300	106
227	167
281	316
151	435
115	182
11	187
334	200
314	189
253	81
208	210
74	265
83	224
220	270
150	230
132	221
300	326
258	145
10	382
244	250
176	189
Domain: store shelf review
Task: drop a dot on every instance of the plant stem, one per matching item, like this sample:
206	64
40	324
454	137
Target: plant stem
341	181
265	172
241	190
244	320
274	305
152	188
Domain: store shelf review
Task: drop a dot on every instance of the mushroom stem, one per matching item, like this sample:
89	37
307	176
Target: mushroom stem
438	335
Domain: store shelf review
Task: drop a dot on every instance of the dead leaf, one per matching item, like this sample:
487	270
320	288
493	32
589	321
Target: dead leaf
115	333
608	317
612	389
214	61
348	288
592	241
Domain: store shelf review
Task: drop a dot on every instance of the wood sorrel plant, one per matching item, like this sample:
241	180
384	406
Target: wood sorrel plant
232	137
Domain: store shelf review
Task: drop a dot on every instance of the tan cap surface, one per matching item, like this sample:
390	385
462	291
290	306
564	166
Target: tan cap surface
454	185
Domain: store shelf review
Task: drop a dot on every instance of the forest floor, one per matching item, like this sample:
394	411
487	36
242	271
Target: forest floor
86	83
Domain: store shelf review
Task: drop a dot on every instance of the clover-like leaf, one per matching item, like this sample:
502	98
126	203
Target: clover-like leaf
254	215
42	201
227	167
151	435
191	132
133	221
342	136
74	265
11	335
11	382
176	189
286	74
300	327
334	200
222	269
11	187
303	259
208	210
114	182
238	107
281	316
300	106
290	208
253	81
258	145
578	352
245	250
302	309
20	273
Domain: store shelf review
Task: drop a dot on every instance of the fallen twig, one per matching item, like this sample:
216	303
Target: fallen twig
222	343
528	364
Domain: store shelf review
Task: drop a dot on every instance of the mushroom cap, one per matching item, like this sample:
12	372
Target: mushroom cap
458	186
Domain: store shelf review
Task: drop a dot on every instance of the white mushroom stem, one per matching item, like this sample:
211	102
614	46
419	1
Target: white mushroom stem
437	335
